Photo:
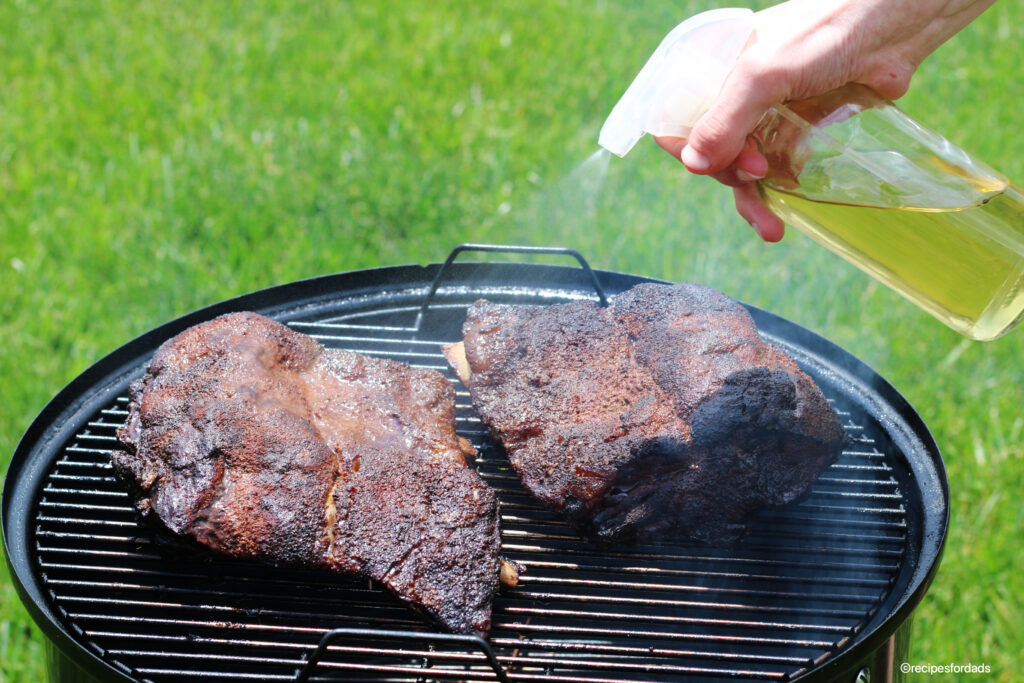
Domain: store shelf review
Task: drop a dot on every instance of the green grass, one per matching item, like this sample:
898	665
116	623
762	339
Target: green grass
156	157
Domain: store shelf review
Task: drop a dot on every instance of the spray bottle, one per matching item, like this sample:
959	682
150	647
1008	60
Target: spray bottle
856	174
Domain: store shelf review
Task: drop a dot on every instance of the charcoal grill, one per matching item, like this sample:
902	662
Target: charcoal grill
820	590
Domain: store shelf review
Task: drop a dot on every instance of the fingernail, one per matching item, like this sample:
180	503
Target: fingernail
753	224
694	160
745	177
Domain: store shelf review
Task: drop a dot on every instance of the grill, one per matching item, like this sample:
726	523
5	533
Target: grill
820	590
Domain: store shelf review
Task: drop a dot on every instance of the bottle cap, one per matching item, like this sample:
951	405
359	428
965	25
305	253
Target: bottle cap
680	80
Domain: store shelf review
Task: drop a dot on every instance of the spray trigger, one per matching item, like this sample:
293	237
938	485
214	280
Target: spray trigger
680	80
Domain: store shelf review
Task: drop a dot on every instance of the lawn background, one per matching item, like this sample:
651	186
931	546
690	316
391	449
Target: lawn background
157	157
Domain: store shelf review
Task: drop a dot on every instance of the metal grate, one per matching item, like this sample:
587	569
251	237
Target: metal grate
806	581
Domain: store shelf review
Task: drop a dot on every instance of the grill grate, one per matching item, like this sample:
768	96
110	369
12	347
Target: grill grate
808	579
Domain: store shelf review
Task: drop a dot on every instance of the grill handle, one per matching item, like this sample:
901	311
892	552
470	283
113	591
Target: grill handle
470	642
509	249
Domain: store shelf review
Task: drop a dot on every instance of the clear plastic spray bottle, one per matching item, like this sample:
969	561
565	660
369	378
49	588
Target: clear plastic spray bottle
856	174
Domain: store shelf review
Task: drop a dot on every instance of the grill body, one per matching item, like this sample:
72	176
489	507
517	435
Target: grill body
818	591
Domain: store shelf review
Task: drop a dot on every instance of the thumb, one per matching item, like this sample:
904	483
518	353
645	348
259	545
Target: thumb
720	134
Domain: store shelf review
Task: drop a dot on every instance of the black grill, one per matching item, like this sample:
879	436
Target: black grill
815	587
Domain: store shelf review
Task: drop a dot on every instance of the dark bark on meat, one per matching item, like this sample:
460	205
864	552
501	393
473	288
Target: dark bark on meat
254	441
663	415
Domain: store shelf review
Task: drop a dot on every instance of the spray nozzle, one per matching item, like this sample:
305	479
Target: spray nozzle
680	80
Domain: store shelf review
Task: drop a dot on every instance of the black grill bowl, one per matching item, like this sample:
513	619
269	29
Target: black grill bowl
814	593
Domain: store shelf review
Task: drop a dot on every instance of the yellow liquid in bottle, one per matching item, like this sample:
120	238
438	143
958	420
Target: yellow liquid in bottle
965	266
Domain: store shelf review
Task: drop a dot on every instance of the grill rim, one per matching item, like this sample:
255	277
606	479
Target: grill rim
103	381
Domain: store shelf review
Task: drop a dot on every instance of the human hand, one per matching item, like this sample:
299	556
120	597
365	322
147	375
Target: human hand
804	48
